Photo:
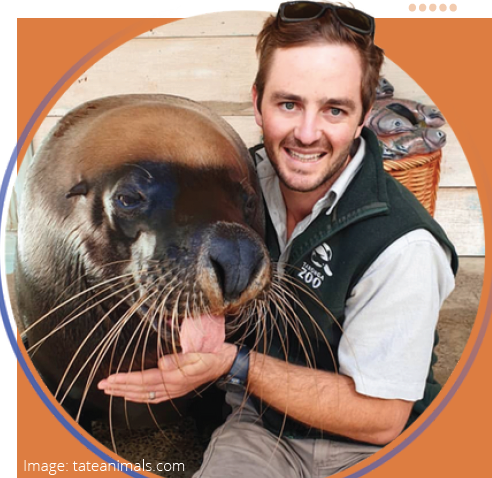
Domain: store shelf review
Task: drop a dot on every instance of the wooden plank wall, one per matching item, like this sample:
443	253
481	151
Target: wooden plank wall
211	58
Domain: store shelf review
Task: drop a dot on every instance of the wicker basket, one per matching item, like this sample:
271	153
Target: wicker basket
420	174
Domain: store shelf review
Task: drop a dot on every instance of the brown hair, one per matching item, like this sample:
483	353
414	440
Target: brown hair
326	29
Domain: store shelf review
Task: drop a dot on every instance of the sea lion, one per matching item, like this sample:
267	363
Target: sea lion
138	211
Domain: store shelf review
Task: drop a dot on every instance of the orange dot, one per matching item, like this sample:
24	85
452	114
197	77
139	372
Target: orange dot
432	7
422	7
412	7
442	7
453	7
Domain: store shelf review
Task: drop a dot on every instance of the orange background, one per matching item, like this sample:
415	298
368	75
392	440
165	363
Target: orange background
458	442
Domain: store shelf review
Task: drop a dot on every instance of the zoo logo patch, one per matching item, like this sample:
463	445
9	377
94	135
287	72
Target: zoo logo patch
320	257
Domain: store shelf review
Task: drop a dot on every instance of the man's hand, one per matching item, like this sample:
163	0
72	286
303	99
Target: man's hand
176	376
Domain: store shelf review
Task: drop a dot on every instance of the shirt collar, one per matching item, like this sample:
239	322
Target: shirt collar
341	184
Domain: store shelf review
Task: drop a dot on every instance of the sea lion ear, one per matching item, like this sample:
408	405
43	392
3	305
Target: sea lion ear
80	189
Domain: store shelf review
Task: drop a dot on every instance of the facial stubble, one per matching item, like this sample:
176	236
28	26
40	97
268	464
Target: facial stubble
335	169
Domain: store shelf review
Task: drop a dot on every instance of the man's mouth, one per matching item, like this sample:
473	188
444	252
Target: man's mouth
305	157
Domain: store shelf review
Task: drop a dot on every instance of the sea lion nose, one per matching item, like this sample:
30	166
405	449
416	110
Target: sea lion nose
236	260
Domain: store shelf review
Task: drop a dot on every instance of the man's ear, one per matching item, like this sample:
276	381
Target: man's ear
364	119
258	117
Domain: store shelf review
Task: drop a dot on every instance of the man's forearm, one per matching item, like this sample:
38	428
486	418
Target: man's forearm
326	400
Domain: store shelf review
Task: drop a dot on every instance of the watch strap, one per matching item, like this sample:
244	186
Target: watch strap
238	374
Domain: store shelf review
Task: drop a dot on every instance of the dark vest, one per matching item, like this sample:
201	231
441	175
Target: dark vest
374	211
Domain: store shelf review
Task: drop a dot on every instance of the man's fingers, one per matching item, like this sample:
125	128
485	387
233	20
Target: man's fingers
139	397
124	388
177	375
151	377
169	371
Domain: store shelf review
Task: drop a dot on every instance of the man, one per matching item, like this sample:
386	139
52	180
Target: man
360	243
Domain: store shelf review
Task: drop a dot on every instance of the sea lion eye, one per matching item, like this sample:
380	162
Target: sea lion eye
129	200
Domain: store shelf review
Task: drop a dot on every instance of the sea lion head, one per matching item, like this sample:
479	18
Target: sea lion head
153	195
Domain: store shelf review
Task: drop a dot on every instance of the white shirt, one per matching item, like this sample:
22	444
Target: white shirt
392	312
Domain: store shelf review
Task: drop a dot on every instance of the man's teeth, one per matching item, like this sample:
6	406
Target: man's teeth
305	157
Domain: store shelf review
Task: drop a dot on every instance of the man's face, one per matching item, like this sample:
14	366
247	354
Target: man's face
310	113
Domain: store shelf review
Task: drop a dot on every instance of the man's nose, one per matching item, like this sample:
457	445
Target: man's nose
308	129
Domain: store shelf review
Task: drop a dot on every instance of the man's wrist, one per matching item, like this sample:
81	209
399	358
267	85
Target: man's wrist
230	354
235	379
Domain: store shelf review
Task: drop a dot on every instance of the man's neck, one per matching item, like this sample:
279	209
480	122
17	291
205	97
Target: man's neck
299	205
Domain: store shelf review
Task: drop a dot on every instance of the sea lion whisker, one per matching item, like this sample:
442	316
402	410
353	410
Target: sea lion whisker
283	295
261	323
195	308
111	340
94	296
308	363
66	302
79	349
105	345
171	289
142	321
162	314
86	274
149	408
148	318
160	311
144	348
284	347
316	326
245	321
101	349
296	325
276	327
157	268
67	320
175	320
286	295
146	329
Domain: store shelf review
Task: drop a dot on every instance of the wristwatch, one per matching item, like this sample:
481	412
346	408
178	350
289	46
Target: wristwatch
237	377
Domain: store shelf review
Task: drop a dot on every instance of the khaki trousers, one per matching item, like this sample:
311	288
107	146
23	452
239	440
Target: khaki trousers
243	448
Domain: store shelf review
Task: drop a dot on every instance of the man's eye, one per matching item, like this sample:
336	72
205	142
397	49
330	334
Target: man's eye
288	105
336	111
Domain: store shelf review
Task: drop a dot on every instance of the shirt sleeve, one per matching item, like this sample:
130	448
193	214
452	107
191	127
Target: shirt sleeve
391	317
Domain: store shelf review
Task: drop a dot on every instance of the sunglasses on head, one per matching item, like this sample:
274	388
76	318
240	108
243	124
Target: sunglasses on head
355	20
